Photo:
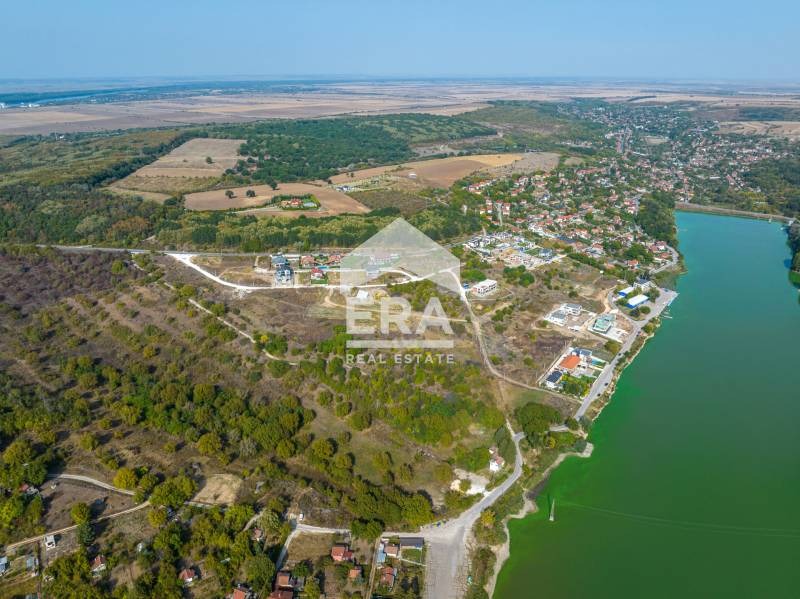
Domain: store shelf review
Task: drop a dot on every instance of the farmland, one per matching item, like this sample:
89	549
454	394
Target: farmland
440	172
332	202
196	164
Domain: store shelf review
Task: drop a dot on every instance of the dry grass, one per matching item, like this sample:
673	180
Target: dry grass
189	159
219	489
441	172
331	201
153	196
789	129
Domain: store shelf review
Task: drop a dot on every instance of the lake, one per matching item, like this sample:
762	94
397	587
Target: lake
693	489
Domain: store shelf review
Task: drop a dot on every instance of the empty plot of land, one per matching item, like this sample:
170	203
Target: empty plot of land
331	201
11	121
153	196
220	489
191	159
442	172
790	129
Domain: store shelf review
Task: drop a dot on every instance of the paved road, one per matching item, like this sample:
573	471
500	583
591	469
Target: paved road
447	559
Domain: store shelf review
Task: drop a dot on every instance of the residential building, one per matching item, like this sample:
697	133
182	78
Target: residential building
484	287
188	575
98	564
553	379
341	553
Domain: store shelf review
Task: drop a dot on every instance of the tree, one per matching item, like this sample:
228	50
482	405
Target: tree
260	571
209	160
157	517
250	193
322	449
85	534
89	441
311	589
487	518
229	194
209	444
80	513
125	478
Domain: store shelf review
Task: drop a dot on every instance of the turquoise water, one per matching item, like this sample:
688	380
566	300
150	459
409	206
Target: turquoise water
693	489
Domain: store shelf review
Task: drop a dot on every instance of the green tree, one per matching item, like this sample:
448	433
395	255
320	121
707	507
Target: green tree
85	533
80	513
260	571
125	478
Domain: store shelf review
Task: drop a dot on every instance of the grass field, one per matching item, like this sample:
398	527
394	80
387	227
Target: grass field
442	172
190	159
789	129
184	170
331	201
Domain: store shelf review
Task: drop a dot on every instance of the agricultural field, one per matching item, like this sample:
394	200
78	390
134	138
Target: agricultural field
787	129
440	172
191	159
332	202
194	165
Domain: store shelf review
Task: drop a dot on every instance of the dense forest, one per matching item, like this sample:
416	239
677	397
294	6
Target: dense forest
292	150
779	181
794	243
656	217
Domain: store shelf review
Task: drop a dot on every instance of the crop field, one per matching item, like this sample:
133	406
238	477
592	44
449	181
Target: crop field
331	201
184	170
442	172
789	129
190	159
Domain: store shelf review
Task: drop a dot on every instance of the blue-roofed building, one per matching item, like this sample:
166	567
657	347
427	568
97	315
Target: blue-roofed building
553	379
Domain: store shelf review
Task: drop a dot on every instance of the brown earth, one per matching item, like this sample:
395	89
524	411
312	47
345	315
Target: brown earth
441	172
331	201
789	129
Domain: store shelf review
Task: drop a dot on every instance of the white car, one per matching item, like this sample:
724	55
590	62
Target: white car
50	542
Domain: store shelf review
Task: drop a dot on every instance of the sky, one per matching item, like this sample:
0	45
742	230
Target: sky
623	39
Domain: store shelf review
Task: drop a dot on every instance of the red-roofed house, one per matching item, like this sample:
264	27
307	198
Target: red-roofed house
570	362
388	574
341	553
98	564
188	575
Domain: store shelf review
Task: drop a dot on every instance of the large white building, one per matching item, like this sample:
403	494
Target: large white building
484	287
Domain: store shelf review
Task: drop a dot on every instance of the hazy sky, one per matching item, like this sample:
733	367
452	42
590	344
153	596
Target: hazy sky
695	39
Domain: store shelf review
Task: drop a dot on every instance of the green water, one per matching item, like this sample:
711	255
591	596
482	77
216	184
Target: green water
694	486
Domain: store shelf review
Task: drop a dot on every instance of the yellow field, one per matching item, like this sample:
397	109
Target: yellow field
331	201
790	129
441	172
189	159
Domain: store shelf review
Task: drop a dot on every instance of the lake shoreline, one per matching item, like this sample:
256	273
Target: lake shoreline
503	551
623	520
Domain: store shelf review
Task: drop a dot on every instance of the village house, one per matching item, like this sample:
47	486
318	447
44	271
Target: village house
496	461
285	580
242	592
98	564
388	575
341	553
188	575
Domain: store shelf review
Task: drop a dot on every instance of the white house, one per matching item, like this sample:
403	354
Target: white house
484	287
